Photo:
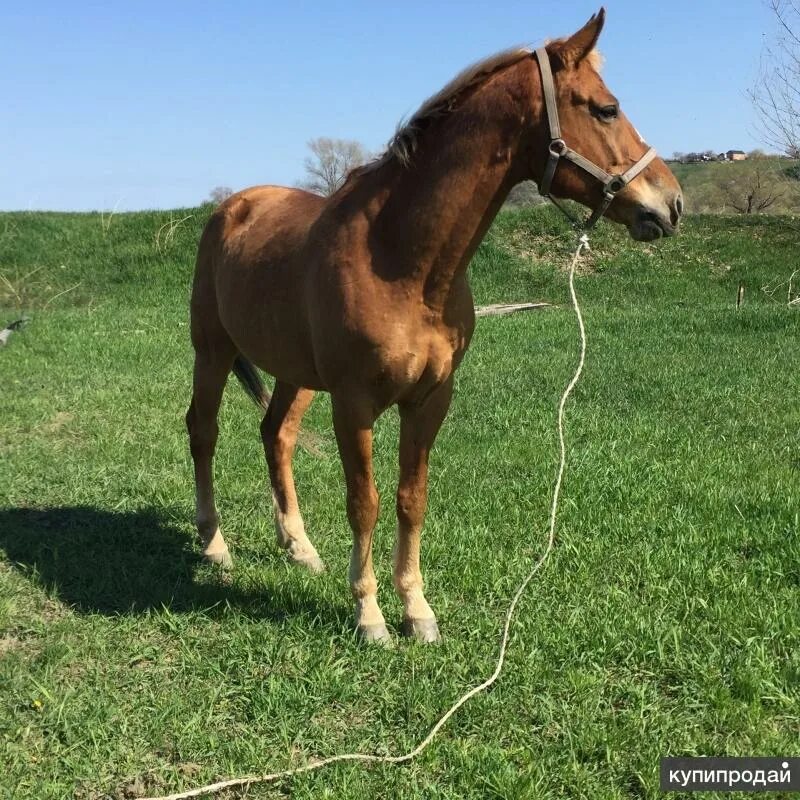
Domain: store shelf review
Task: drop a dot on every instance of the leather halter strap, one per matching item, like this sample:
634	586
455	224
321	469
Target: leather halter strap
558	149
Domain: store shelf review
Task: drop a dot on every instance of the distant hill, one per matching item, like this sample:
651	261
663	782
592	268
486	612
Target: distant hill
714	186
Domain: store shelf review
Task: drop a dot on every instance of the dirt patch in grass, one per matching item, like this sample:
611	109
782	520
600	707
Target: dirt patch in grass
147	784
57	423
530	246
59	431
10	643
542	249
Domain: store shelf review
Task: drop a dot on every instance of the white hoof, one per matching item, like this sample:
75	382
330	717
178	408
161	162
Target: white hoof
222	559
313	563
423	630
375	633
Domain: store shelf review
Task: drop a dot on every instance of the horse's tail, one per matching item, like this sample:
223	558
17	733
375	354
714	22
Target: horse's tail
251	382
256	390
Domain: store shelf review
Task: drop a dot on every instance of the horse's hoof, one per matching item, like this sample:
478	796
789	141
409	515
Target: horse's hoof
313	564
222	559
423	630
375	633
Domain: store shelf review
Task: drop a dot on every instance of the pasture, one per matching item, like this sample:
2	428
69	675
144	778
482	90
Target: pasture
666	621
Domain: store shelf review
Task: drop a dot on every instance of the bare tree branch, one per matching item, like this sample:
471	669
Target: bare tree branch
753	192
219	193
776	96
330	163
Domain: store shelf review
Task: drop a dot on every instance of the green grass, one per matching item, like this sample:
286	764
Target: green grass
665	621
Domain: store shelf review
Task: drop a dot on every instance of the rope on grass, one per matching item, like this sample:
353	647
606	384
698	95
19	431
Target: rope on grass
371	758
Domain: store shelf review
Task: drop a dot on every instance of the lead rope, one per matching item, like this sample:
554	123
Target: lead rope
583	244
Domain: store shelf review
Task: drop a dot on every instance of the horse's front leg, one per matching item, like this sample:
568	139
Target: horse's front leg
353	422
418	428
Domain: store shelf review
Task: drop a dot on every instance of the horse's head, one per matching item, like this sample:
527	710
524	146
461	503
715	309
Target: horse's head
594	126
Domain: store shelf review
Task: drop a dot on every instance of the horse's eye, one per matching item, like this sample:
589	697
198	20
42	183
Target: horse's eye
608	112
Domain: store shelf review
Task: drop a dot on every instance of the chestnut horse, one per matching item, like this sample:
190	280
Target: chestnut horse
364	294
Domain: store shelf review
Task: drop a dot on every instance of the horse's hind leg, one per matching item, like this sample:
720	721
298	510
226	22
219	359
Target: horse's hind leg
279	431
213	360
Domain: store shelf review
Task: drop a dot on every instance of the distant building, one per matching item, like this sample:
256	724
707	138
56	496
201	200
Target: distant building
736	155
697	158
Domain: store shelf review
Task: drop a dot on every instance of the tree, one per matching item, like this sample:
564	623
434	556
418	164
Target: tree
753	192
219	194
330	162
776	95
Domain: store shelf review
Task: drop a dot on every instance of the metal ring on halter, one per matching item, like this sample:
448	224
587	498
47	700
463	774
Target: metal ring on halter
616	184
558	147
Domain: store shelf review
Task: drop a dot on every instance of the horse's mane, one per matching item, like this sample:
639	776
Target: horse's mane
402	145
404	142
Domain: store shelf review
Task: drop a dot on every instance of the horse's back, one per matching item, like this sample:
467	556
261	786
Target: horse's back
266	217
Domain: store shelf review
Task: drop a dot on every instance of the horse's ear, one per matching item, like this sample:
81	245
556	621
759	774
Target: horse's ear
574	49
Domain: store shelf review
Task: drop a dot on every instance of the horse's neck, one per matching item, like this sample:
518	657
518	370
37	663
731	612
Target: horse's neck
439	208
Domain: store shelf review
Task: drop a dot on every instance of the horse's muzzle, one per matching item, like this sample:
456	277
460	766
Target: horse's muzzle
651	225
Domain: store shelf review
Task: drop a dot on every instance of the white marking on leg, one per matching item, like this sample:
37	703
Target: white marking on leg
291	534
407	576
364	587
208	523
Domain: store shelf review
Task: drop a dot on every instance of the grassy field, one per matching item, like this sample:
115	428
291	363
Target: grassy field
666	621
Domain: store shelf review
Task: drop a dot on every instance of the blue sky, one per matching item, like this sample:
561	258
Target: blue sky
151	105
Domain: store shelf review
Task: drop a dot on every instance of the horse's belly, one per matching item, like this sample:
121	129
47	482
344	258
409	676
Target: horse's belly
267	322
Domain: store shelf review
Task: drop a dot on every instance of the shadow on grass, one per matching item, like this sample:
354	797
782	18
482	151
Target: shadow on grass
105	562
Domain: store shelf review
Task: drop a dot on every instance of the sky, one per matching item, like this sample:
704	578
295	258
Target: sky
123	106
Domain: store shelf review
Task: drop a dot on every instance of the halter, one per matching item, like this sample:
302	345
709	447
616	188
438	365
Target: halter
558	149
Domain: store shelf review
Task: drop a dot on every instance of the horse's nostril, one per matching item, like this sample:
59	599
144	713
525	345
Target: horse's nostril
676	211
